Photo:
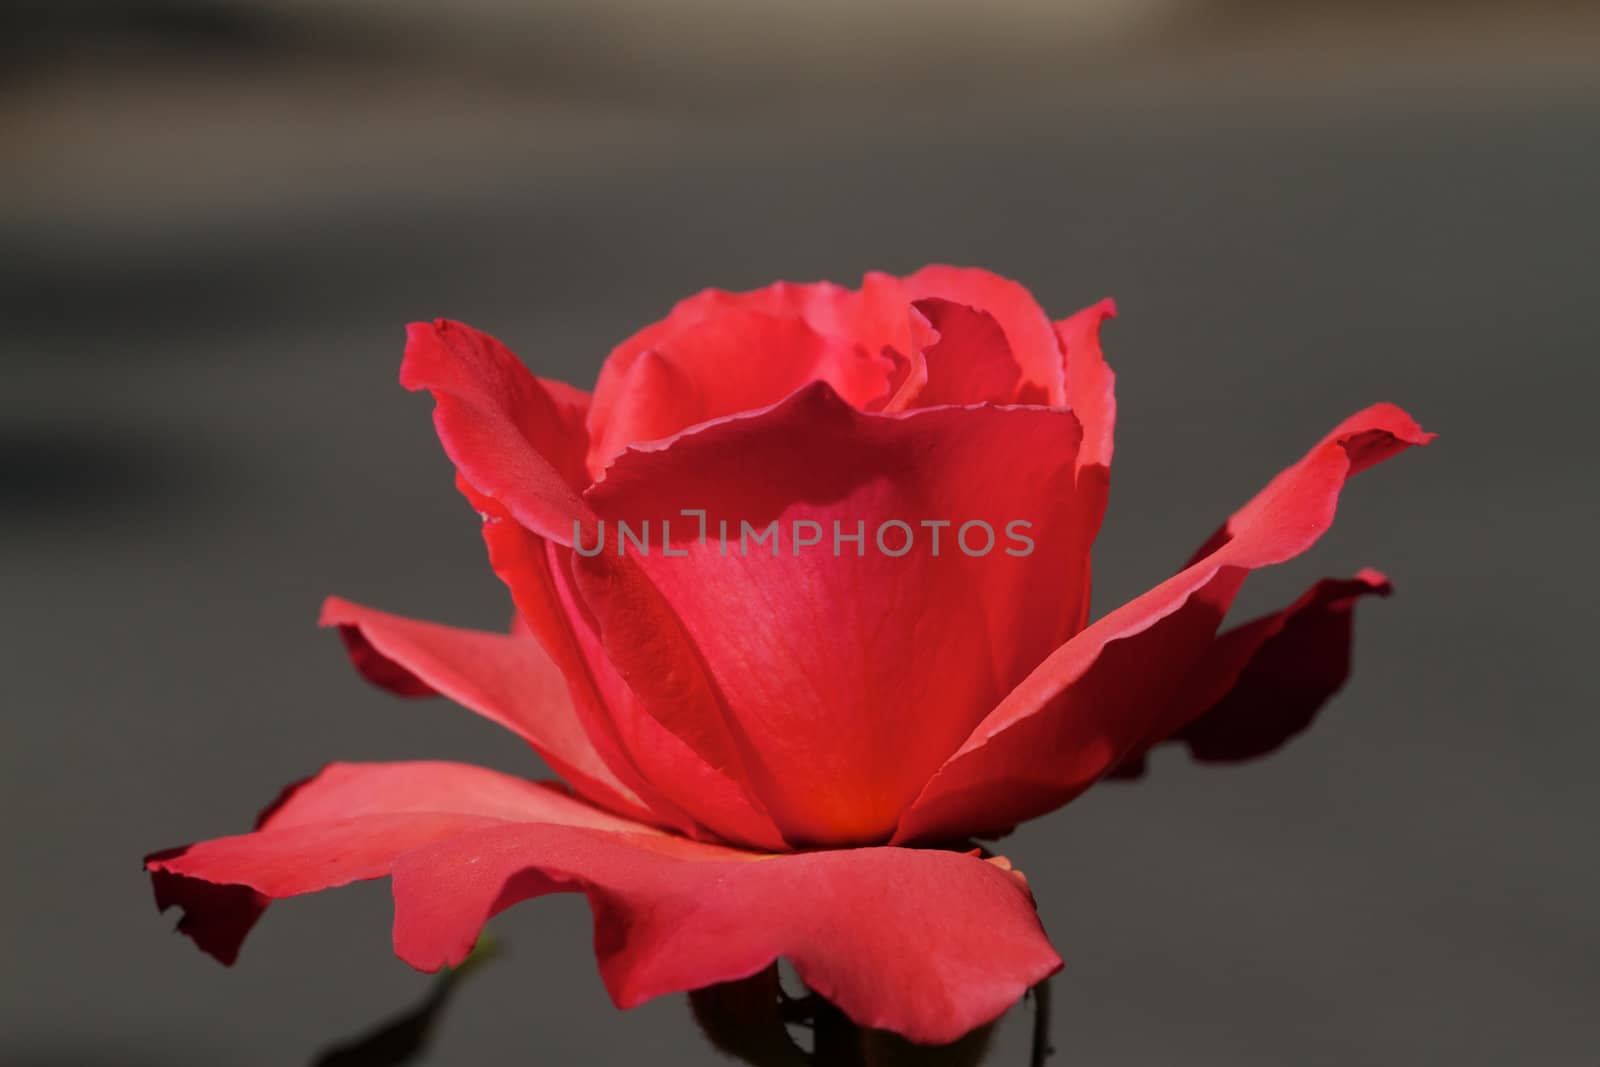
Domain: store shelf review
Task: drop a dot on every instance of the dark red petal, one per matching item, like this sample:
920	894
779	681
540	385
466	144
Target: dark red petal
346	824
374	666
809	673
1264	681
512	437
1027	329
217	918
924	943
506	679
1097	697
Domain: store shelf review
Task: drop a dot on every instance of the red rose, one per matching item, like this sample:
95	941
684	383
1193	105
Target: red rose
802	588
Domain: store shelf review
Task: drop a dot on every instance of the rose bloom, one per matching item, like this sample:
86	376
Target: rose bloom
774	750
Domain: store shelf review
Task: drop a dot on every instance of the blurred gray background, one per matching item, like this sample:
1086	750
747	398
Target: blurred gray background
215	218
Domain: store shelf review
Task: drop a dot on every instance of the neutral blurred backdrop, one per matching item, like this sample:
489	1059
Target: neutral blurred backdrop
216	216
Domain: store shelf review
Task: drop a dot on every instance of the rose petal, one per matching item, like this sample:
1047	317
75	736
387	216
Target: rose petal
877	319
513	438
346	824
1091	395
709	802
971	361
734	361
1263	682
1091	387
217	918
508	680
1028	331
518	451
927	944
837	684
1099	695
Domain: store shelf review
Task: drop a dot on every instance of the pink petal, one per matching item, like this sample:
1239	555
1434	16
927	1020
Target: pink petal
1100	694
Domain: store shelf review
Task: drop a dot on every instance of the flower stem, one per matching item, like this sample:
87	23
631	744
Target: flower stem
1041	1025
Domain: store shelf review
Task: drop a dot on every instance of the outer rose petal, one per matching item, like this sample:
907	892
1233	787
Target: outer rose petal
519	446
513	438
1262	682
1027	330
810	673
506	679
1099	695
345	824
928	944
